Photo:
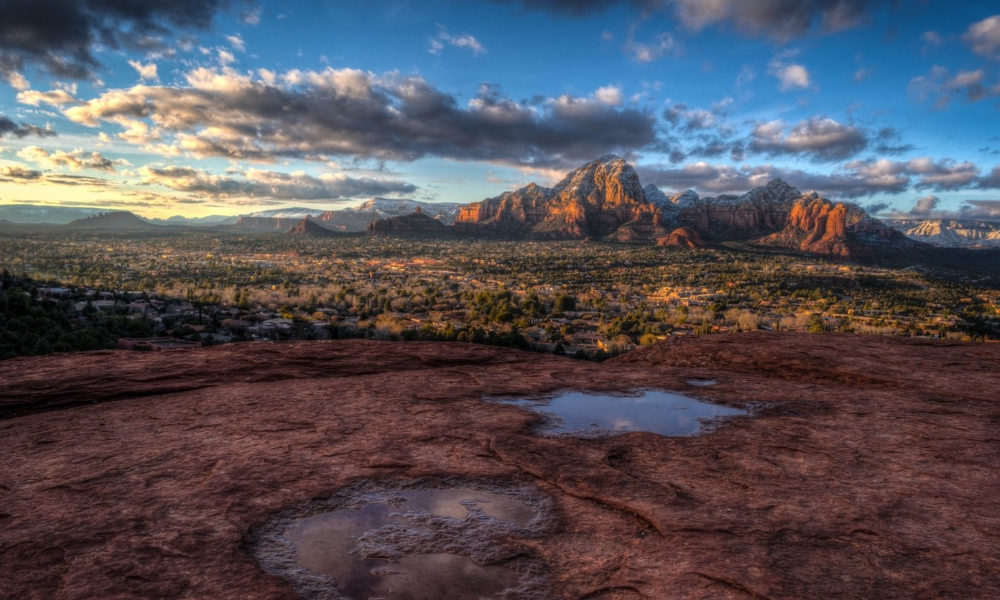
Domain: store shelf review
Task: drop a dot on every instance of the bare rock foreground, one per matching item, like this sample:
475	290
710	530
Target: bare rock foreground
871	469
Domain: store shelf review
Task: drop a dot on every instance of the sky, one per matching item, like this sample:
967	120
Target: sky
201	107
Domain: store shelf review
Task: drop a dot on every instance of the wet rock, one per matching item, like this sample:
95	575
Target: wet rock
865	473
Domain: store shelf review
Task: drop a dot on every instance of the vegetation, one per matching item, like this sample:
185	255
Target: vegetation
581	298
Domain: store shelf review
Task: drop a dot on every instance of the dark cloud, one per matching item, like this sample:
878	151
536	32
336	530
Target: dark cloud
925	205
778	19
876	208
817	138
855	180
61	35
19	174
257	183
8	127
313	114
991	181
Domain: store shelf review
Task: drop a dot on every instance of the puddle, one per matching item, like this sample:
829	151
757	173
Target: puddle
702	382
593	414
415	543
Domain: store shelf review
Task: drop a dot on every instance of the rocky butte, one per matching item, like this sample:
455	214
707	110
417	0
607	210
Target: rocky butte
604	200
151	475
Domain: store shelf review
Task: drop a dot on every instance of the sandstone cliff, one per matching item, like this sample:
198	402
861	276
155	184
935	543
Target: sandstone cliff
594	201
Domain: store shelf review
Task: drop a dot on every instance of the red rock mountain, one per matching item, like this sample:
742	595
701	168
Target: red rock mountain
601	199
682	237
604	200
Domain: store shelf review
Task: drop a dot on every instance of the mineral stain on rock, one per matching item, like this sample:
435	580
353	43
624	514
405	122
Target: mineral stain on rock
593	414
399	543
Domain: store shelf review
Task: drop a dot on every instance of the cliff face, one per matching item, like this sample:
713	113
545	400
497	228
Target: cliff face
758	212
818	226
595	201
416	224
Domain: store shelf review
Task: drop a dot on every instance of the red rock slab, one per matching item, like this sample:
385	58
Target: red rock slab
867	472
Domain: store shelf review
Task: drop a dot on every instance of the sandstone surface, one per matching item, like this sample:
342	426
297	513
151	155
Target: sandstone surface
868	470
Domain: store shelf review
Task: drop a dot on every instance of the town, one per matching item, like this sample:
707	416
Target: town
583	299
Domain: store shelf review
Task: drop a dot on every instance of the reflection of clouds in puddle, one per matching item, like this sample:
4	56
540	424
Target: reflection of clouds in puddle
410	544
655	411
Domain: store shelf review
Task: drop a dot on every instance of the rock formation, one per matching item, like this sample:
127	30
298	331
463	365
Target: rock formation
375	209
682	237
112	220
310	228
594	201
144	475
416	224
818	226
950	233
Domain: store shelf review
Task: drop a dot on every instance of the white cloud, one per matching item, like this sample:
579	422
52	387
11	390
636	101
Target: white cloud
791	76
437	44
146	72
984	37
16	80
75	160
52	98
640	52
610	95
237	42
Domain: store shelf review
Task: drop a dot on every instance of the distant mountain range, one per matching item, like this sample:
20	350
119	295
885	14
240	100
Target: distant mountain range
604	200
601	200
949	233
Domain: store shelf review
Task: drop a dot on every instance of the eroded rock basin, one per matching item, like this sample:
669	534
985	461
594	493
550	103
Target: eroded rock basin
409	542
595	414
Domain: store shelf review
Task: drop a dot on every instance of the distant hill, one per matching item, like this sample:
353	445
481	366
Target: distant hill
375	209
266	224
309	228
207	221
415	224
112	220
33	214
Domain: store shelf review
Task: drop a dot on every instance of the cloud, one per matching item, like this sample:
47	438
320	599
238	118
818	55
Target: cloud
991	181
610	95
52	98
939	85
925	205
820	139
648	52
346	112
236	41
75	160
146	72
791	76
18	174
854	179
15	79
932	40
9	127
61	36
984	37
256	183
781	20
863	73
437	44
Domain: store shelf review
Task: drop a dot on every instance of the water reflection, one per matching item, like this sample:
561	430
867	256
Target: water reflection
584	413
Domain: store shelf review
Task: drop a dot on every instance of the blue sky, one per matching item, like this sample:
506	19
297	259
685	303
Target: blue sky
203	107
